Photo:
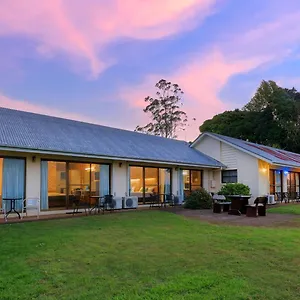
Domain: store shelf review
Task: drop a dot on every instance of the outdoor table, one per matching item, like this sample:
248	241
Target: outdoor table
12	206
238	204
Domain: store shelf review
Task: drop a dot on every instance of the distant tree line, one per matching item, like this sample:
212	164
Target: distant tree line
272	118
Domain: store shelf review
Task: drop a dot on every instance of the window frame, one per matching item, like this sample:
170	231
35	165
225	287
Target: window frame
229	176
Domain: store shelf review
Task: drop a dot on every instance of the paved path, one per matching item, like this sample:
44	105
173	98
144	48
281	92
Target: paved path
271	220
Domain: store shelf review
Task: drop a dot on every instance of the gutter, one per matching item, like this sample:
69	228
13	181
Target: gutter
114	158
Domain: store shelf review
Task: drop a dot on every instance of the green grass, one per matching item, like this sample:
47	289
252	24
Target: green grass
293	209
147	255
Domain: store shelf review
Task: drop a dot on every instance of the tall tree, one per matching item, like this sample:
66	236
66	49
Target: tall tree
165	111
272	117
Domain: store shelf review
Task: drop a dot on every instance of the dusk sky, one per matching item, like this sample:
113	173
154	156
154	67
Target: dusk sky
96	60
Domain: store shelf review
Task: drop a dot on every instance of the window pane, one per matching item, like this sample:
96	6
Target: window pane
151	183
57	183
164	181
195	180
136	183
277	181
79	180
186	182
95	177
229	176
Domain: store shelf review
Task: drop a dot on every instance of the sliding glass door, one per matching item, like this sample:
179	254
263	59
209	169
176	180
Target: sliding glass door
148	182
61	181
192	181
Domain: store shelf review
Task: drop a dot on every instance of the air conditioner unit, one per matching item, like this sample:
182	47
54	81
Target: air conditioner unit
130	202
271	199
118	202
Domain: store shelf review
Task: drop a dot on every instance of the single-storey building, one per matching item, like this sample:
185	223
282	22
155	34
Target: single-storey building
50	158
266	170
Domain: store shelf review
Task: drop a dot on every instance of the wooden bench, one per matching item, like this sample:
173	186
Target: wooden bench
220	204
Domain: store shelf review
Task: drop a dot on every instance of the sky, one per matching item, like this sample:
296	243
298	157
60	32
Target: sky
96	60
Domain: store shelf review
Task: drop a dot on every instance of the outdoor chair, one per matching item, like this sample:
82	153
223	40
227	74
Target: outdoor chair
107	203
258	208
3	211
80	201
171	199
29	205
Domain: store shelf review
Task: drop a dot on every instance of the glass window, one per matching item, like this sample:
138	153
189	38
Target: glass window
57	184
95	177
136	183
151	183
272	182
148	182
229	176
192	181
291	185
277	182
79	180
195	180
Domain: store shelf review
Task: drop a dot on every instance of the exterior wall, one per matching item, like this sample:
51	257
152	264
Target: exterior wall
247	166
119	173
210	147
263	177
248	173
229	156
119	179
33	177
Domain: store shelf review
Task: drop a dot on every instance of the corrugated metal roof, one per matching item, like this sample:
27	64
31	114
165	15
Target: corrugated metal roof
274	155
25	130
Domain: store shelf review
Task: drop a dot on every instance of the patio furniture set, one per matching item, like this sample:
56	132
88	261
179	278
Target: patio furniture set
238	205
164	200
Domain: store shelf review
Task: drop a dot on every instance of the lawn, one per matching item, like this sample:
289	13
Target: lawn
293	209
147	255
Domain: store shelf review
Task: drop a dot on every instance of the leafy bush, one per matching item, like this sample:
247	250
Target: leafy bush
199	199
234	189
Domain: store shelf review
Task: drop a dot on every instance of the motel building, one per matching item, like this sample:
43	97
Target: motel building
52	158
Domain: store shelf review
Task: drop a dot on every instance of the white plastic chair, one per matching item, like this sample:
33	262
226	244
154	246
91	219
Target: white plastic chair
31	204
3	211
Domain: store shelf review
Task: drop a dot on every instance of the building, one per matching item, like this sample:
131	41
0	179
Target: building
265	170
51	158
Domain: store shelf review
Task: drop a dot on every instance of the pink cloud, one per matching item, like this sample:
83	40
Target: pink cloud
202	79
24	105
82	31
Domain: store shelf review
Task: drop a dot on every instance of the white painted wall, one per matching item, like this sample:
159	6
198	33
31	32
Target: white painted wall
247	166
210	147
33	177
119	179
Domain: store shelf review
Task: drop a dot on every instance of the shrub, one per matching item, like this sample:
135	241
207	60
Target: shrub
234	189
199	199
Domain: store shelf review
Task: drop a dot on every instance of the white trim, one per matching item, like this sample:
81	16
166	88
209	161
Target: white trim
113	158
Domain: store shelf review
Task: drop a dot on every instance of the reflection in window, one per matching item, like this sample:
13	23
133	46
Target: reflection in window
136	183
148	182
151	182
192	181
229	176
57	184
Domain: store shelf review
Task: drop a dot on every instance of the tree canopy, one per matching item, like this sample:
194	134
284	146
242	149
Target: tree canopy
271	117
164	110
